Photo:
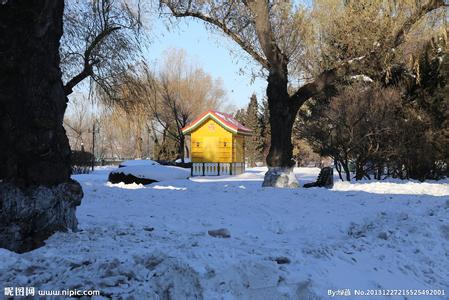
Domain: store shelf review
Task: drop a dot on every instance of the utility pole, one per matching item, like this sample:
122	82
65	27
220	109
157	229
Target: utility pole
93	146
94	131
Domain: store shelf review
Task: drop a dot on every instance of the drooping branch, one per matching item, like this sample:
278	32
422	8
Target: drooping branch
88	62
414	18
222	26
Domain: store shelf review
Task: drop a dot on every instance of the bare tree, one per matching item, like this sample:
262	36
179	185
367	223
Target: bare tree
185	92
77	124
275	34
101	37
171	98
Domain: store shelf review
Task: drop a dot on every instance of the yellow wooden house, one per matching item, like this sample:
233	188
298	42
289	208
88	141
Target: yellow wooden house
217	144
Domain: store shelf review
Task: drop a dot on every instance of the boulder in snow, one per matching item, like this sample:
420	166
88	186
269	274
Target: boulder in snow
117	177
280	260
280	177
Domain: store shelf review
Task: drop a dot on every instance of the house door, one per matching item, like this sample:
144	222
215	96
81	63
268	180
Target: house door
210	148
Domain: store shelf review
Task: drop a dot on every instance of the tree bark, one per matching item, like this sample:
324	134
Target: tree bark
181	147
37	196
282	116
345	165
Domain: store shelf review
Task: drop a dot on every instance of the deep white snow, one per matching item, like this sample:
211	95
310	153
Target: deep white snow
152	242
138	162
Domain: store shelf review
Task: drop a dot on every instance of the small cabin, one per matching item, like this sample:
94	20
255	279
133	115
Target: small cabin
217	144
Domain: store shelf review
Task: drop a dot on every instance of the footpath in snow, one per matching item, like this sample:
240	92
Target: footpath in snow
152	242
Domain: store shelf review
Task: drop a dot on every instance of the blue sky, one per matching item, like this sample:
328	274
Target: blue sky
211	51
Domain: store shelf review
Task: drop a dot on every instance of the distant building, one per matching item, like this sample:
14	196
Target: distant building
217	144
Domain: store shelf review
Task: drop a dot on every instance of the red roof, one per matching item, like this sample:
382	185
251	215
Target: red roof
224	119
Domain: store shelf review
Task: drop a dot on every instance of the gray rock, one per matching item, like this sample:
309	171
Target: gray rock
280	178
117	177
28	216
220	233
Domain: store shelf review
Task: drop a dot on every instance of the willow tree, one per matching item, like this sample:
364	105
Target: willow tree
278	36
169	99
37	196
101	38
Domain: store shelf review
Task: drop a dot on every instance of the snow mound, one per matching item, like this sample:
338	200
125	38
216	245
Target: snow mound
138	162
395	188
130	186
173	279
155	172
169	187
137	276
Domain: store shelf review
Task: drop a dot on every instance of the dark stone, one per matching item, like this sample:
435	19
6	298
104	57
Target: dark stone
117	177
282	260
325	179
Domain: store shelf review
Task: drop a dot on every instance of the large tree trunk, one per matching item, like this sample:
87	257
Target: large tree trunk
181	147
37	196
282	116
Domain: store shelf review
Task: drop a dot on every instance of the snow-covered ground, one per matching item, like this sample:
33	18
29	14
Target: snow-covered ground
152	242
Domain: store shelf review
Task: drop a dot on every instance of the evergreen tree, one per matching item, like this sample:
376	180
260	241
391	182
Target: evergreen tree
427	101
254	143
266	129
240	116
